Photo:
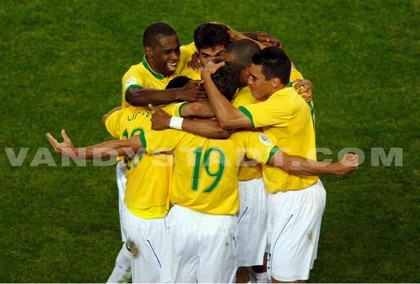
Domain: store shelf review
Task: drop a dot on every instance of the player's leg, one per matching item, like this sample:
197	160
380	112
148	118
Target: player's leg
122	268
145	241
294	225
252	229
218	248
180	259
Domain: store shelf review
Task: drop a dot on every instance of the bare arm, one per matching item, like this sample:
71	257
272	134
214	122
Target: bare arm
109	149
204	127
192	91
299	166
200	109
228	116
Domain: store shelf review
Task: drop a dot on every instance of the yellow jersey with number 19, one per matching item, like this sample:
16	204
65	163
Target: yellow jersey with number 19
206	170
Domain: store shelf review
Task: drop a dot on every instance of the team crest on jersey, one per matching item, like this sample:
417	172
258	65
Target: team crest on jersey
265	140
130	82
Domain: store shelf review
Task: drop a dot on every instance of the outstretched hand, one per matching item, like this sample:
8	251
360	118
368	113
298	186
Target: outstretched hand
160	119
65	148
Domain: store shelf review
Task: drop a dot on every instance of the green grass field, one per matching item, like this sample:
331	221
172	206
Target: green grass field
61	67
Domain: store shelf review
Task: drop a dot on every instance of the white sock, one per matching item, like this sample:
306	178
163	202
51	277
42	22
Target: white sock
261	277
122	269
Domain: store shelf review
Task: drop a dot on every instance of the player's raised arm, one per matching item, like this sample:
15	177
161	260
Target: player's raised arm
299	166
228	116
113	148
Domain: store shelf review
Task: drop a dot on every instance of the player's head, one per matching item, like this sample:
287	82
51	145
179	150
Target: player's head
178	82
269	72
211	40
239	54
161	44
226	79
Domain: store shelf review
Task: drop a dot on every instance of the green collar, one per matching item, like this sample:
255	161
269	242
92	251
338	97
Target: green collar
155	74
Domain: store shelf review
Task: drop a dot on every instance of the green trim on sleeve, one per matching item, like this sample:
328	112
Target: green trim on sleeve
143	140
180	108
272	152
248	114
135	87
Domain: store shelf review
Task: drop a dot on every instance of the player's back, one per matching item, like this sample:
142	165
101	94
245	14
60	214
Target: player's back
148	176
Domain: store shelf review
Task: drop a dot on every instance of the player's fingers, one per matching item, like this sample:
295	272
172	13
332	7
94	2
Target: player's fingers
198	82
154	108
64	134
51	139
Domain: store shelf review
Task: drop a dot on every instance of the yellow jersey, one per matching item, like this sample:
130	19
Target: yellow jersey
186	55
148	176
250	169
286	119
205	175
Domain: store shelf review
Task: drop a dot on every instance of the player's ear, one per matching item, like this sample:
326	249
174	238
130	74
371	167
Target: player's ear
275	82
149	52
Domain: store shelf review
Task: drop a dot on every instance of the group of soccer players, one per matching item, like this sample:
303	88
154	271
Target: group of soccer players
234	180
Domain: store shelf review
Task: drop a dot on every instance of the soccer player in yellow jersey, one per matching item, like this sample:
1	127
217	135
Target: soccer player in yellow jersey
252	226
145	82
210	42
296	203
252	222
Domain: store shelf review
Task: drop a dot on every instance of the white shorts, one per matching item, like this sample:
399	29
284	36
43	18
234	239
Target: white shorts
121	183
145	240
252	222
294	223
199	247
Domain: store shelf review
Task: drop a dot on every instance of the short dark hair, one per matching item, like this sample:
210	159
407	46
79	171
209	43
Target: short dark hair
152	33
178	82
210	35
275	63
242	51
226	79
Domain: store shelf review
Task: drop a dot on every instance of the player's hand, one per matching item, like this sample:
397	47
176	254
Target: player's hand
210	68
304	88
265	39
193	91
160	119
348	164
65	148
195	63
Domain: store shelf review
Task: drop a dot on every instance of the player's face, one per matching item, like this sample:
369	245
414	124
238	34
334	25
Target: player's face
261	88
214	54
164	57
243	73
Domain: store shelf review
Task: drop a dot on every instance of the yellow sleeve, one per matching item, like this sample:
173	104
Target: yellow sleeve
295	74
161	141
277	110
256	145
113	124
174	109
